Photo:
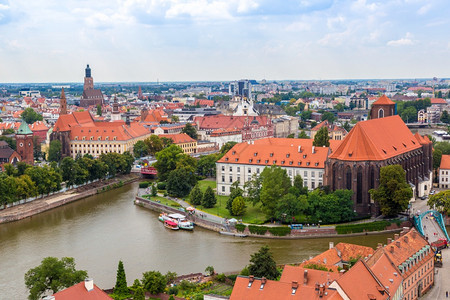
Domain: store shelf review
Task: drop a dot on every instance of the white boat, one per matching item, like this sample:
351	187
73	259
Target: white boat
179	219
171	225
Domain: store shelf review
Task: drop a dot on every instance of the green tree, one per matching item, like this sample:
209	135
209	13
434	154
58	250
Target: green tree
445	118
393	193
166	161
328	116
238	206
99	110
291	136
52	275
7	189
227	147
30	116
54	151
206	165
209	198
287	207
347	126
334	207
235	191
140	149
154	190
303	135
209	270
306	115
25	187
121	289
154	144
437	157
275	184
297	188
180	182
139	294
262	264
196	196
190	131
321	139
174	119
154	282
11	142
444	147
441	201
253	189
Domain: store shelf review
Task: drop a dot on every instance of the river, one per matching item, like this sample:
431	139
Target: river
101	230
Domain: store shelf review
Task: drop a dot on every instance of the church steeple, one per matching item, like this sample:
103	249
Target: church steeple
88	71
88	80
63	103
115	114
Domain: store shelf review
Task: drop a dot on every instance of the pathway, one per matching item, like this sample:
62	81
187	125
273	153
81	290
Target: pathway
441	279
432	229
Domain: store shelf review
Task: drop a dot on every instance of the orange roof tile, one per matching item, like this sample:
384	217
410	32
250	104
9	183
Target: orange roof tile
386	273
328	258
438	101
291	273
376	139
445	162
78	291
178	138
280	152
350	251
384	100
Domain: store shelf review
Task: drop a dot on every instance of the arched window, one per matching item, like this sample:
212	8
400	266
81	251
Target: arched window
380	113
359	185
348	178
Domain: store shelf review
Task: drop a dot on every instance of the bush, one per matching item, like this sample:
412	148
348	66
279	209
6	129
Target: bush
245	272
161	185
143	184
261	230
232	277
354	228
221	277
240	227
173	290
280	231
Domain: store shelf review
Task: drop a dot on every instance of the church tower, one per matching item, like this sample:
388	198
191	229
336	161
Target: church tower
383	107
115	115
88	80
24	142
63	103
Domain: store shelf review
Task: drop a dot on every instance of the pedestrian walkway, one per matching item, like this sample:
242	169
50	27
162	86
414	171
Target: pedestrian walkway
441	279
431	228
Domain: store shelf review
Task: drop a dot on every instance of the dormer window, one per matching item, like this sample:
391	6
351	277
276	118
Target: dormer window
287	155
76	138
307	163
107	138
84	138
271	154
282	162
114	138
234	152
99	138
255	154
91	138
304	155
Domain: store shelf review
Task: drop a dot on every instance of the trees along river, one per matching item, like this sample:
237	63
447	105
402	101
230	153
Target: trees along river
101	230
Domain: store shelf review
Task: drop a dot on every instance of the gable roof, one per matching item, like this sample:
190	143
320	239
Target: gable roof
178	138
384	100
350	251
445	162
24	129
79	291
281	152
386	273
376	139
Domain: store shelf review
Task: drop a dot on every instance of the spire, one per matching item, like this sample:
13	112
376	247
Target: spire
88	71
24	129
63	103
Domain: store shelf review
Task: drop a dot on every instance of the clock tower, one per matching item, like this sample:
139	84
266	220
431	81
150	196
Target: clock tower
24	143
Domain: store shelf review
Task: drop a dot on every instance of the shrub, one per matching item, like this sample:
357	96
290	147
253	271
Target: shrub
245	272
232	277
143	184
173	290
261	230
279	231
316	267
161	185
240	227
221	277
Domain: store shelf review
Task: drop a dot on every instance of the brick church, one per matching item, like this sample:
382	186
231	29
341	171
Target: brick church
91	96
383	140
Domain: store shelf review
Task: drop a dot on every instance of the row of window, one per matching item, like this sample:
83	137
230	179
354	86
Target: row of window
297	172
98	139
94	145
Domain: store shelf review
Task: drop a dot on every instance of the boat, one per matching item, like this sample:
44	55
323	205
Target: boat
171	225
182	222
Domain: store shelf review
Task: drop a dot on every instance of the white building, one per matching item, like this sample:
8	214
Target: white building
296	156
444	172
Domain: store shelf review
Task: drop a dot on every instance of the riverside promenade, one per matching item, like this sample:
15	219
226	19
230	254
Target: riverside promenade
40	205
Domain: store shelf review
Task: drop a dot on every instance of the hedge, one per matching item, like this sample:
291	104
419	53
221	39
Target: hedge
354	228
143	184
261	230
240	227
161	185
280	231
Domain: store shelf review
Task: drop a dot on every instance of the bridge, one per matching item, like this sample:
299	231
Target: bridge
417	125
431	225
149	171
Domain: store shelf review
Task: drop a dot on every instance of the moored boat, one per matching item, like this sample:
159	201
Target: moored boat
182	222
171	225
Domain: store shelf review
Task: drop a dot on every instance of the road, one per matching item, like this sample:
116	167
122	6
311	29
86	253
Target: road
441	279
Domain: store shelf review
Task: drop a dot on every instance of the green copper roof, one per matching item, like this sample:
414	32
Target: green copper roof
24	129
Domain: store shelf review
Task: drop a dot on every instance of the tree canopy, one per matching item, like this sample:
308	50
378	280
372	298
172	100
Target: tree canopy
52	275
30	116
190	131
121	289
167	161
262	264
275	184
321	138
154	282
54	151
393	193
442	201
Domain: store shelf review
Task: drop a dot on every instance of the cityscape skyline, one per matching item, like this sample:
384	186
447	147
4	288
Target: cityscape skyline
218	40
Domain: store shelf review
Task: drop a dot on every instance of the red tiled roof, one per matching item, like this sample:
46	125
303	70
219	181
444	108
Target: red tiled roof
386	272
376	139
291	273
349	251
438	101
38	126
79	291
154	115
178	138
384	100
280	152
221	121
204	102
445	162
109	130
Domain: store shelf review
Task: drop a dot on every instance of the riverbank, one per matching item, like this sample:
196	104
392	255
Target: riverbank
227	230
38	206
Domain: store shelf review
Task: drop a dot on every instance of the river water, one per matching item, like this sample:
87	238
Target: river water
101	230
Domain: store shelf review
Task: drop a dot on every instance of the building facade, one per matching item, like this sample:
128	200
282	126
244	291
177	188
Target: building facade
24	143
383	107
334	132
90	96
444	172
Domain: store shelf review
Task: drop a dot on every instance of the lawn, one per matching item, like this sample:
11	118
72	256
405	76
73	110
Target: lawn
161	200
253	215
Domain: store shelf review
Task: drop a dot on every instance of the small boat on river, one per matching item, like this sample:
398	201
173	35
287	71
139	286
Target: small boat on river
179	219
171	225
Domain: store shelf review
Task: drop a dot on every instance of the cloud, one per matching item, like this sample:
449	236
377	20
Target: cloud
405	41
424	9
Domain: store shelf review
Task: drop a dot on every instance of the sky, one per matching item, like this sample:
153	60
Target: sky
220	40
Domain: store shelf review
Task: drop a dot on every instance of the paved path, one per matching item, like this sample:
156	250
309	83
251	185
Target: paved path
441	279
432	229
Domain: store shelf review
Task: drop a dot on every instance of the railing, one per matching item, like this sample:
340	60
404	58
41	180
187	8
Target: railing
438	217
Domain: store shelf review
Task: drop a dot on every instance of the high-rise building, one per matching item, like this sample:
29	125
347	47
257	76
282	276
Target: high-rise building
91	96
241	88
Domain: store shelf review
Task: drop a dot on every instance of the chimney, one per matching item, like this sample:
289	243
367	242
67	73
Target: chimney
379	245
89	284
392	249
389	240
406	239
263	280
331	245
413	233
396	236
294	284
251	278
321	290
305	277
127	119
397	243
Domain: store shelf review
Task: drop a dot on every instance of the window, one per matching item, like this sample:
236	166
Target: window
231	179
305	174
313	184
231	169
223	188
257	170
223	178
238	169
313	174
223	168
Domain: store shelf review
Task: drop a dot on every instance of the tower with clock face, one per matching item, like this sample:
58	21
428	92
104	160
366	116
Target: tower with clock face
24	143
